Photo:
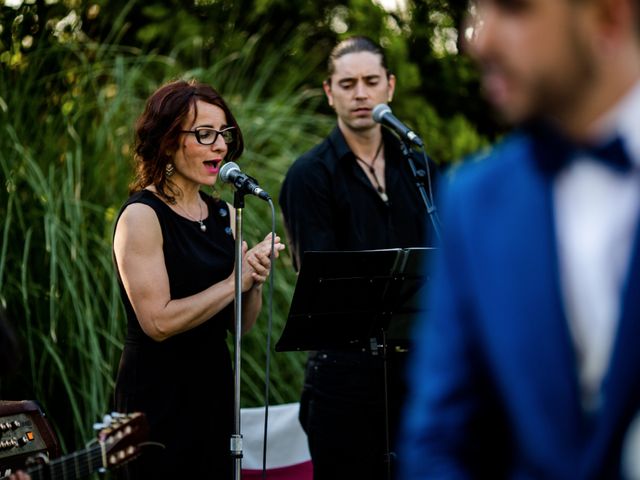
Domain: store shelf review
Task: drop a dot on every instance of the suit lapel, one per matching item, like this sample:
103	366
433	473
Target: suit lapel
537	234
528	308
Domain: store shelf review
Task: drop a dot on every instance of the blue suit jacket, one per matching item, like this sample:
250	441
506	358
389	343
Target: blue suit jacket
494	385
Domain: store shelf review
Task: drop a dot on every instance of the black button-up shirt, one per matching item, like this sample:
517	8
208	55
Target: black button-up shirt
329	203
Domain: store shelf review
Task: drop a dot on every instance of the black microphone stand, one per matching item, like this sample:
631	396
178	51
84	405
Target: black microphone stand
419	177
382	348
236	438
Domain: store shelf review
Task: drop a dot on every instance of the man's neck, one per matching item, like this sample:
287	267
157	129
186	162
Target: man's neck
588	120
363	143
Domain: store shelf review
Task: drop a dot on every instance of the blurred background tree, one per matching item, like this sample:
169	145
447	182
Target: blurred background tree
74	75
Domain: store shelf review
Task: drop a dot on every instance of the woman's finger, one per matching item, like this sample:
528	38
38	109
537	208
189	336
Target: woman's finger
259	278
260	269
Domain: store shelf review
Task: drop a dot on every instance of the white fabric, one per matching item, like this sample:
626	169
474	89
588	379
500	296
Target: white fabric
286	441
631	451
596	213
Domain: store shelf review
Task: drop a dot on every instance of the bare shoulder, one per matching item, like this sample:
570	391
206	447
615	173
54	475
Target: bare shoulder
139	215
138	225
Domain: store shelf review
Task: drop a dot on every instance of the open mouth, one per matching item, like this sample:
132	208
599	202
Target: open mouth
212	166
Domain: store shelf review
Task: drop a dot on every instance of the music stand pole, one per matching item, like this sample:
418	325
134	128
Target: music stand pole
385	371
236	438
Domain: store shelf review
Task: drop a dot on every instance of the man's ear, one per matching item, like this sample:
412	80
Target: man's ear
392	87
327	91
618	18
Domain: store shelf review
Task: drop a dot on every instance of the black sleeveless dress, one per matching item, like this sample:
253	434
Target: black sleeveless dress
183	384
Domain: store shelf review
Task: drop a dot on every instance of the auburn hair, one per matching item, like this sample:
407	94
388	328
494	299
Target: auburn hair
158	131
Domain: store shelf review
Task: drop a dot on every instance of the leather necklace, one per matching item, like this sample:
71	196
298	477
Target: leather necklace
372	171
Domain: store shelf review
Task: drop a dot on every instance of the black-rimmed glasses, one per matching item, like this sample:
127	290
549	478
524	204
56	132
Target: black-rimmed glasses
208	136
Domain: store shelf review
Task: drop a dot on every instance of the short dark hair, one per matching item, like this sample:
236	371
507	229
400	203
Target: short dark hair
354	45
158	130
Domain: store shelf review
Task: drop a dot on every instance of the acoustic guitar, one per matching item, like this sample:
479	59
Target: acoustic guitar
118	442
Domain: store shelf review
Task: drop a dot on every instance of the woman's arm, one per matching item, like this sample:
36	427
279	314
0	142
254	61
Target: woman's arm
140	259
251	307
257	262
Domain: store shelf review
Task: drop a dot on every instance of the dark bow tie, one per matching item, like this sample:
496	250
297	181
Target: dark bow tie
555	151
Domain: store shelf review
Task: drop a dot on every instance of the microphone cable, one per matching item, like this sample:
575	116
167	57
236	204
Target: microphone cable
435	218
267	381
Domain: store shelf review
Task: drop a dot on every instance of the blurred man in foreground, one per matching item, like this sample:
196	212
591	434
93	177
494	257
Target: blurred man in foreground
528	365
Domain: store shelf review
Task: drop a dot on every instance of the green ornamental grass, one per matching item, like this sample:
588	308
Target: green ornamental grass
66	132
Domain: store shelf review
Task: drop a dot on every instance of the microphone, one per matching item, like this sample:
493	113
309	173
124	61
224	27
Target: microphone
382	114
231	173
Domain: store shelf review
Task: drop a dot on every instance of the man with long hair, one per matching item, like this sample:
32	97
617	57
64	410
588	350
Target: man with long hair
353	191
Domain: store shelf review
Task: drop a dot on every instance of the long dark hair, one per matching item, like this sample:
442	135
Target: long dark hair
158	131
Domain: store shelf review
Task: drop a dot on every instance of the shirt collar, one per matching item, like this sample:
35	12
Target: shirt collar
339	143
342	148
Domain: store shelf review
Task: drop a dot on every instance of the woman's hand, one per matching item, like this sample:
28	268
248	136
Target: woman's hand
255	270
257	261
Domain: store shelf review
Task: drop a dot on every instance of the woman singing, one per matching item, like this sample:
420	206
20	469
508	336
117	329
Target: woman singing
174	253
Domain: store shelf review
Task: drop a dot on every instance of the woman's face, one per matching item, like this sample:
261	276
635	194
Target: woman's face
194	162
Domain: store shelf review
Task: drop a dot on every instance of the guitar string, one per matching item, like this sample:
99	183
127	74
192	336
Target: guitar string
57	467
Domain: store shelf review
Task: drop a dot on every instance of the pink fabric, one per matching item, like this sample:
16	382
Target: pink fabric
300	471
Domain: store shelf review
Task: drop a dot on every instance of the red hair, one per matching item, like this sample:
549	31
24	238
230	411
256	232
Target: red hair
158	132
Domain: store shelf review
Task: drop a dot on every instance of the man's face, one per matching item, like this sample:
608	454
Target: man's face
358	84
536	56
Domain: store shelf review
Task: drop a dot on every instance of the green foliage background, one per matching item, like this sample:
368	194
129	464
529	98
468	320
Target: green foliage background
74	75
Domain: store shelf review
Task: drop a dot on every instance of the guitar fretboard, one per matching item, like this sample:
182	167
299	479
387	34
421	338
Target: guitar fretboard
70	467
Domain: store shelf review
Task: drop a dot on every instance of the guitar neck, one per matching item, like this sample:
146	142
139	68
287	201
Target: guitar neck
76	465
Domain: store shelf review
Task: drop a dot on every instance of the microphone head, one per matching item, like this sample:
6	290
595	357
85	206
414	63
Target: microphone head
380	111
226	171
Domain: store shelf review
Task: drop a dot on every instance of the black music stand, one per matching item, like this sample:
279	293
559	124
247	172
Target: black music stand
346	300
358	301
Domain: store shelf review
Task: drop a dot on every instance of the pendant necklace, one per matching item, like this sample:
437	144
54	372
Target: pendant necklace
372	171
203	227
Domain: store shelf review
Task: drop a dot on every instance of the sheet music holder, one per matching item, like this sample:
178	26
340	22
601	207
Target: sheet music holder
344	300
